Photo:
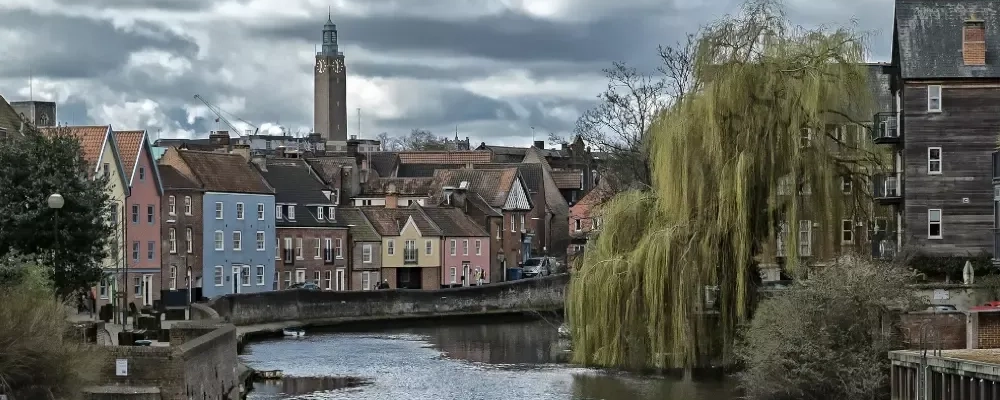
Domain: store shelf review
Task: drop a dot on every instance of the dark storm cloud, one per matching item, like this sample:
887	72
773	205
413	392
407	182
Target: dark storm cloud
168	5
69	47
459	106
452	73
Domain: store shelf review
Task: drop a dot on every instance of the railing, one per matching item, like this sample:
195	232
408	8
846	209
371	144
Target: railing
886	127
410	256
887	186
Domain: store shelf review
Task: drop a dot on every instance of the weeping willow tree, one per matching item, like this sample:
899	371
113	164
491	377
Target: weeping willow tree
733	164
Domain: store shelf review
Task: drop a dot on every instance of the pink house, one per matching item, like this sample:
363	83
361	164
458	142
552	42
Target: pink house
465	247
142	218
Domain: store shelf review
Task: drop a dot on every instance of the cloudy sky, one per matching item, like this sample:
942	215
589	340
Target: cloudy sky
491	68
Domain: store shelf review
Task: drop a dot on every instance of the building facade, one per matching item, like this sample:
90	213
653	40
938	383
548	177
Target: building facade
410	248
366	250
143	223
182	245
330	91
465	247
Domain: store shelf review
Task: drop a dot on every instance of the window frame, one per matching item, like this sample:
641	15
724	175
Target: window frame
171	205
219	276
260	211
261	239
260	275
367	253
237	238
338	248
939	98
219	237
172	240
846	231
939	222
219	210
188	207
189	240
241	210
808	231
931	161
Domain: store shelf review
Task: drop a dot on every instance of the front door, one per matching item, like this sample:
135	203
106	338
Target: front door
236	279
147	290
466	275
341	279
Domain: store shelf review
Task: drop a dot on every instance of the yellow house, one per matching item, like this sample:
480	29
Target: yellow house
411	247
100	151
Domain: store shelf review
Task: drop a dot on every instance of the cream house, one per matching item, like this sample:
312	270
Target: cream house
411	247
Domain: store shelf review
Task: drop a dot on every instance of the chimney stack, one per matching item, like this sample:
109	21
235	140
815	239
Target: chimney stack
974	41
391	196
540	144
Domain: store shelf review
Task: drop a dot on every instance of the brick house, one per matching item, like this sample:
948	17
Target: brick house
311	238
143	207
584	221
181	248
366	249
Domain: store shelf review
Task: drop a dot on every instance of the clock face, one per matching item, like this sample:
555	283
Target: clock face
337	66
321	66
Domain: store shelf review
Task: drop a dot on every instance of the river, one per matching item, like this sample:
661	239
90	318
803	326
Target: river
502	359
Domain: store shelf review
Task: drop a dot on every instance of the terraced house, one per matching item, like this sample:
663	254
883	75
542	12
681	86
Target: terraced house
465	254
411	247
101	152
143	213
366	250
182	245
238	219
310	239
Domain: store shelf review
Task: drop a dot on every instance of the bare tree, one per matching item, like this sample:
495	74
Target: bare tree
389	143
424	140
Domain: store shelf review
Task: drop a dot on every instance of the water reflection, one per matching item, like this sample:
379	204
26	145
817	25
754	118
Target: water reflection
294	386
510	342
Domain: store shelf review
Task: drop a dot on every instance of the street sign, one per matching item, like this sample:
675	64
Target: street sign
121	367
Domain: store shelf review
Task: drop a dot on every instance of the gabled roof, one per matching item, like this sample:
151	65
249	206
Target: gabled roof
928	38
221	172
174	180
293	181
531	173
554	201
390	221
400	186
445	157
360	228
328	167
93	142
423	170
570	179
383	162
492	184
453	222
132	145
597	195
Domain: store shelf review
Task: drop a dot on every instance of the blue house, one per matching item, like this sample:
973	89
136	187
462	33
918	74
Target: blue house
237	211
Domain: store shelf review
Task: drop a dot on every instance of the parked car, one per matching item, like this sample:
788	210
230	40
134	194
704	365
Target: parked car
537	266
304	285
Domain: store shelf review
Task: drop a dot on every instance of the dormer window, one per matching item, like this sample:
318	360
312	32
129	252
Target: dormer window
277	211
319	213
331	213
291	212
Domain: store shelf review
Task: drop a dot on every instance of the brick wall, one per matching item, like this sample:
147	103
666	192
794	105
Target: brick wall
989	330
318	306
934	330
309	263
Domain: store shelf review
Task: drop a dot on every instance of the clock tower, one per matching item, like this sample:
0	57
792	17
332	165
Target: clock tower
330	90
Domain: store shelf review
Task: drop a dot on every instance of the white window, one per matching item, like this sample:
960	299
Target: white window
934	224
277	211
390	247
479	247
172	240
366	254
328	244
328	280
805	238
245	275
846	185
465	247
220	241
453	274
187	205
260	275
331	213
366	280
239	210
597	223
218	210
171	205
319	213
102	289
218	275
428	247
318	246
847	231
260	241
291	212
298	248
173	277
277	248
288	249
260	211
338	248
933	160
934	98
316	277
577	225
453	247
188	240
237	240
512	227
288	279
805	137
522	223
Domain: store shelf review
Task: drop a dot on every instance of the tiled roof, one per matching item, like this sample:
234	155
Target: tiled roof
383	162
91	140
327	167
474	200
173	179
293	181
445	157
929	36
361	230
389	221
221	172
568	179
9	119
531	173
453	222
597	195
423	170
128	147
401	186
492	184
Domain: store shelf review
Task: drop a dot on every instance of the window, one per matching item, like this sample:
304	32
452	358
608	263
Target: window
522	223
366	254
428	247
934	224
171	205
106	168
245	275
410	251
453	247
805	137
291	212
142	173
260	275
288	249
237	240
260	241
338	248
218	275
934	98
453	274
260	211
465	247
277	248
150	210
288	279
597	223
316	243
114	215
846	231
319	213
933	160
499	231
102	289
316	277
298	248
846	185
137	282
390	247
187	205
328	244
512	223
274	283
135	213
805	238
173	277
479	247
277	211
172	240
189	240
366	280
135	251
331	213
577	225
239	211
220	241
218	210
328	280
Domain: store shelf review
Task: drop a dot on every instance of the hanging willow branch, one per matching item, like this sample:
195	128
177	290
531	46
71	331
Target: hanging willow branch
719	158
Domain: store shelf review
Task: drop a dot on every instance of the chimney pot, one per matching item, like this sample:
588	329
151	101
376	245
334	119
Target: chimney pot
974	41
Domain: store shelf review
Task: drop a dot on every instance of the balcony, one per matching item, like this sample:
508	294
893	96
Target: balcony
888	189
886	129
410	256
996	167
884	246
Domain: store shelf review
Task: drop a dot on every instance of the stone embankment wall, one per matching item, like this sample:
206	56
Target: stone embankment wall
322	307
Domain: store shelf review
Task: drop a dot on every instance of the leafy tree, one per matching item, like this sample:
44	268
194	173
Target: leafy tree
719	157
835	345
74	239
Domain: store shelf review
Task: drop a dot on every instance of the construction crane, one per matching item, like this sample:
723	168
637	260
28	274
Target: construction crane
221	118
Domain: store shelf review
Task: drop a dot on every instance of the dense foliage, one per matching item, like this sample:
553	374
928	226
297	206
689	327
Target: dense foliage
834	348
74	240
719	159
